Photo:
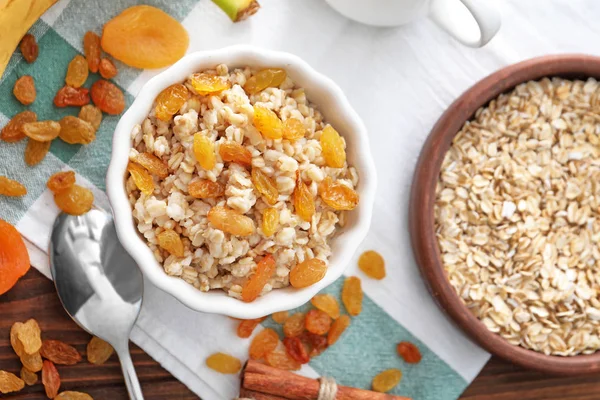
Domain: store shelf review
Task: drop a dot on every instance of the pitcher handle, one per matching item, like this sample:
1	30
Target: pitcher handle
446	14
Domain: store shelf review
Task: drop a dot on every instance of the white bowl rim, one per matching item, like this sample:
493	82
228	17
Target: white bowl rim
141	253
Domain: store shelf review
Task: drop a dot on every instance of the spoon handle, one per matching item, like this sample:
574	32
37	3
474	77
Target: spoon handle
131	379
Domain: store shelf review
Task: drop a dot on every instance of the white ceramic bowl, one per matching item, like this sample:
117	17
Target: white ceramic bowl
337	110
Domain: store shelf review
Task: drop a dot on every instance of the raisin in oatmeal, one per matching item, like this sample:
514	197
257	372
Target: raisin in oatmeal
234	167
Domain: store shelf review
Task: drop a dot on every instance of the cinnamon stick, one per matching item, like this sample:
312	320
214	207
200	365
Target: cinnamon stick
251	394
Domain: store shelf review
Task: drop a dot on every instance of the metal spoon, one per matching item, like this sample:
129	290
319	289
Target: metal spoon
98	283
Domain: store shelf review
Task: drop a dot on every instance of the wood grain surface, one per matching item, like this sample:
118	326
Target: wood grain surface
34	297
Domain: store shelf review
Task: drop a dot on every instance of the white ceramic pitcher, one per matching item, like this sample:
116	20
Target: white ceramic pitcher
472	22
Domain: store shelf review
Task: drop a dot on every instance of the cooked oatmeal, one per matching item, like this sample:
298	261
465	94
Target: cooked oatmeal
193	144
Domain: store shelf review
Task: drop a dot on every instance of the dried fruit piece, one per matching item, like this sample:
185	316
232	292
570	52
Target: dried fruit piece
14	331
70	395
24	90
409	352
352	295
107	69
91	49
142	179
50	379
30	378
224	363
61	181
208	84
13	132
372	264
267	123
333	148
280	317
92	115
238	10
386	380
42	131
169	101
317	322
295	348
246	327
205	189
304	204
270	221
338	196
308	273
35	152
170	241
10	382
316	344
153	164
30	336
12	188
75	200
235	152
107	97
74	130
279	358
98	351
328	304
70	96
230	221
270	77
265	342
14	261
145	37
29	48
265	185
252	288
294	325
337	328
77	72
59	352
293	129
204	151
32	362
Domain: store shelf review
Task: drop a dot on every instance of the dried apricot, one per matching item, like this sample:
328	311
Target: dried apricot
279	358
224	363
270	221
265	342
337	328
42	131
91	49
30	336
352	295
107	69
13	132
153	164
208	84
50	379
337	195
247	326
170	241
317	322
236	153
143	180
69	96
107	97
316	344
92	115
205	189
204	151
35	152
74	130
24	90
32	362
307	273
332	146
70	395
293	129
265	185
328	304
409	352
11	188
294	325
77	72
386	380
98	351
295	348
267	123
170	100
372	264
30	378
29	48
75	200
270	77
10	382
59	352
145	37
252	288
304	203
280	316
230	221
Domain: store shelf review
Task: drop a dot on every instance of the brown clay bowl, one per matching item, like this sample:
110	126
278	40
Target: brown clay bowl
422	200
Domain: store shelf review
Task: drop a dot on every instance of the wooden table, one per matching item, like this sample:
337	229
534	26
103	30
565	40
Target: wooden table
34	297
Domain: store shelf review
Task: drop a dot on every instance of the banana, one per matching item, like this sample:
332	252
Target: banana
16	17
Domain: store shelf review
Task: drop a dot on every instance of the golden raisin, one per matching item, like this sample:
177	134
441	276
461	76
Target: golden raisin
30	378
205	189
29	48
170	241
409	352
317	322
70	395
235	152
208	84
293	129
386	380
265	342
107	69
267	123
29	334
169	101
265	185
153	164
304	203
270	221
230	221
337	328
307	273
204	151
77	72
254	285
70	96
328	304
75	200
270	77
92	115
16	327
74	130
50	379
315	344
294	325
35	152
279	358
11	188
59	352
295	348
372	264
352	295
224	363
338	196
10	382
32	362
12	132
142	179
91	49
61	181
246	327
24	90
108	97
332	146
42	131
280	316
98	351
